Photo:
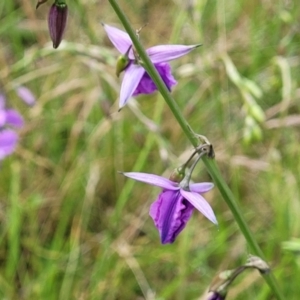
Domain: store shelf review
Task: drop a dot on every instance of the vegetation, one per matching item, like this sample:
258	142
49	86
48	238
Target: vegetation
72	227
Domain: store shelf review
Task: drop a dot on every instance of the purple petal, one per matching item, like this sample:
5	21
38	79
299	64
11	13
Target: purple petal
26	95
201	188
8	142
2	101
153	180
120	39
14	118
2	117
164	53
170	213
200	203
147	86
131	79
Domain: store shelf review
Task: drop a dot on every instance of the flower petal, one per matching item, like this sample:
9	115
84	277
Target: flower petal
131	80
147	86
14	118
202	187
170	213
120	39
26	95
8	142
200	203
164	53
2	117
153	180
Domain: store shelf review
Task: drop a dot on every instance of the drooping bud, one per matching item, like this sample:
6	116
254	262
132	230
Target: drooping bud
178	174
122	62
257	263
57	21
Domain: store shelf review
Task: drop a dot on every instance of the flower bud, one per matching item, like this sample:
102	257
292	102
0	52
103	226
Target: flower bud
57	21
122	62
178	174
257	263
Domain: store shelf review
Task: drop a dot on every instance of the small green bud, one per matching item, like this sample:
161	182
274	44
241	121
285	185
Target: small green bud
178	174
122	63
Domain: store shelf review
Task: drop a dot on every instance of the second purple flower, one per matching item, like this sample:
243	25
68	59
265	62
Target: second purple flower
175	204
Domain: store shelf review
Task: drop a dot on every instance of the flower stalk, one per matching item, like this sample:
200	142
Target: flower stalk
209	163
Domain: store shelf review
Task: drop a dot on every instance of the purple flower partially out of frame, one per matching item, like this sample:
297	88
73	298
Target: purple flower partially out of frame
11	119
8	137
8	142
136	80
175	205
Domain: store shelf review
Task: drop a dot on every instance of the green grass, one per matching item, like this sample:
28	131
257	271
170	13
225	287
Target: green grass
72	227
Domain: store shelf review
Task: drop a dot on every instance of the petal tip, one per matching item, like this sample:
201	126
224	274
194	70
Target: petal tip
214	220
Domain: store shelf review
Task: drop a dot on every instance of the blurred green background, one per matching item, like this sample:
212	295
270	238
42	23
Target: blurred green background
72	227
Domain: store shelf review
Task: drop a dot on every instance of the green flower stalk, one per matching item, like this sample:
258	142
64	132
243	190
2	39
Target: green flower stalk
210	164
221	283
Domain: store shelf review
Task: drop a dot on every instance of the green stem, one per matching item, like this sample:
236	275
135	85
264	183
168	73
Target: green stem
209	163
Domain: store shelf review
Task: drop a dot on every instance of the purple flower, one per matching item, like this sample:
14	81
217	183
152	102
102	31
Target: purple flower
175	204
26	95
57	21
8	142
136	80
9	118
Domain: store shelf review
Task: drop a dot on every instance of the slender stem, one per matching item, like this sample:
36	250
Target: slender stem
209	163
185	183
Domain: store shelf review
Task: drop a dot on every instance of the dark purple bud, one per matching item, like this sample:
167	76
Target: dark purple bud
57	21
215	296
